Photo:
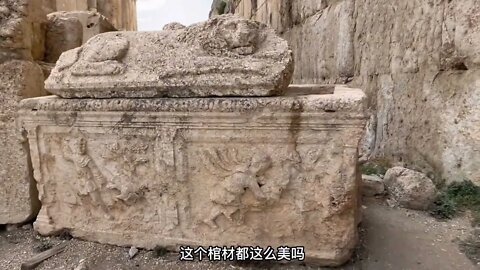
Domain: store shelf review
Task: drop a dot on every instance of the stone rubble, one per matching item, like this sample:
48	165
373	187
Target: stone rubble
372	185
410	189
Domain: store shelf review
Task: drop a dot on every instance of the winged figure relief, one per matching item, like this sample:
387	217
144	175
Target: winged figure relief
126	159
237	175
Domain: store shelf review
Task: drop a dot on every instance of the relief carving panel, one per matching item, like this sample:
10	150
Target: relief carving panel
268	172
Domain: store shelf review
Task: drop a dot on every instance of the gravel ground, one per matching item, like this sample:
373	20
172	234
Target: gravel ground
391	238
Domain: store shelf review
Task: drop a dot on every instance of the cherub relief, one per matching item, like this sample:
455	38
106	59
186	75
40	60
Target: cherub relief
237	179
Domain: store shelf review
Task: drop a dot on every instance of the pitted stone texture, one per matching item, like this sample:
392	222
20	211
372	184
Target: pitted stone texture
18	202
22	31
372	185
14	30
63	34
418	62
410	189
266	171
122	14
69	30
225	56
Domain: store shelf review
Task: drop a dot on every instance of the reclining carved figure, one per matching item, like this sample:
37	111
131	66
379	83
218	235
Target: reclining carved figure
224	56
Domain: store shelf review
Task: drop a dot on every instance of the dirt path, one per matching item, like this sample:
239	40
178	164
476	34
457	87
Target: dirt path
391	239
401	239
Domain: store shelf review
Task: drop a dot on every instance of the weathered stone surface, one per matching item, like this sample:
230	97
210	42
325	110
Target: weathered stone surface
46	68
22	31
93	23
122	14
63	33
14	30
18	202
372	185
225	56
417	61
220	7
409	188
69	30
201	171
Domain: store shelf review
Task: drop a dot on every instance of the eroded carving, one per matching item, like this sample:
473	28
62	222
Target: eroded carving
99	57
126	159
237	175
226	36
200	171
227	55
89	180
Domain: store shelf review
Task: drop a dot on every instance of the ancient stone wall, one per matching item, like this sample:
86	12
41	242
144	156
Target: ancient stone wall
417	60
121	13
20	77
30	44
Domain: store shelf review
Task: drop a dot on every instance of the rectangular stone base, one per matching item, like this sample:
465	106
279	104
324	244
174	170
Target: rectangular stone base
273	171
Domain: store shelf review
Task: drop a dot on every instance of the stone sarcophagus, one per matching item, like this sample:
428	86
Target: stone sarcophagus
120	158
270	171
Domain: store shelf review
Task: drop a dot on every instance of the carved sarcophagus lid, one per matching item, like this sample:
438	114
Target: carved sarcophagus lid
224	56
265	171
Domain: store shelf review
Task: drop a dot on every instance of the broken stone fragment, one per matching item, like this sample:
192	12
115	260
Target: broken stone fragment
372	185
410	189
63	34
224	56
132	252
68	30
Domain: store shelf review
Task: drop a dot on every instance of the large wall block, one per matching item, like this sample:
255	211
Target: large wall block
400	52
18	200
121	13
69	30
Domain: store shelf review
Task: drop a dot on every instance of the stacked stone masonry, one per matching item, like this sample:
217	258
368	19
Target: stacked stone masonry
30	44
418	62
122	14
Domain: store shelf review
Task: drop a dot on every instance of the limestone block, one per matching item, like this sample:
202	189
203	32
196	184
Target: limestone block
323	42
372	185
409	188
63	33
461	35
225	56
220	7
68	5
417	61
266	171
18	202
93	23
121	13
459	135
15	40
